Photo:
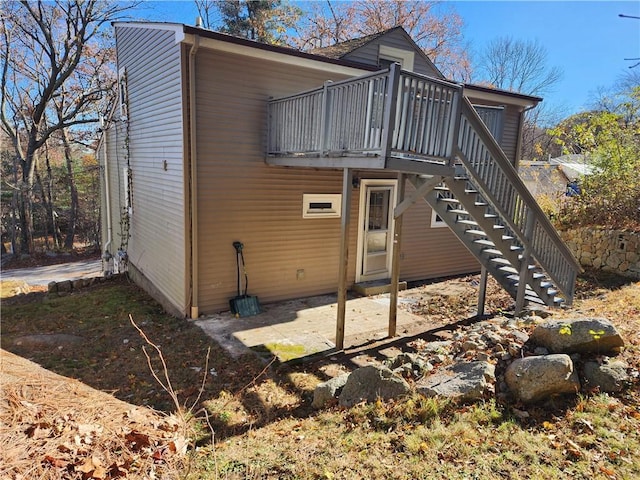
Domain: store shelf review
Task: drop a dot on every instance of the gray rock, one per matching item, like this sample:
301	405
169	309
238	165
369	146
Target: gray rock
520	336
475	344
541	351
65	286
370	383
400	360
535	378
326	391
583	335
493	337
461	381
437	347
609	377
52	287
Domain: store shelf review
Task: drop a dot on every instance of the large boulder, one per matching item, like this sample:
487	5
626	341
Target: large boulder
370	383
608	377
535	378
462	381
326	391
583	335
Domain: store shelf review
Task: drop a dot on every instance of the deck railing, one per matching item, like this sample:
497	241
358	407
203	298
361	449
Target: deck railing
356	116
498	181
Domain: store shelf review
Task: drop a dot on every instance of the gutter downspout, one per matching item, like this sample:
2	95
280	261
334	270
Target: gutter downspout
516	161
107	191
194	181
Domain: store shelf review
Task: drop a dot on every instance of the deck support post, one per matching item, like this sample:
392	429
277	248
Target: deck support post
343	267
524	265
482	292
395	260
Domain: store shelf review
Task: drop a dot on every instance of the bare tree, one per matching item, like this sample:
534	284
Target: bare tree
207	11
55	70
265	21
519	66
437	32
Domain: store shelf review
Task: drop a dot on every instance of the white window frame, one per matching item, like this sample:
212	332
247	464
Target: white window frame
405	58
435	223
333	210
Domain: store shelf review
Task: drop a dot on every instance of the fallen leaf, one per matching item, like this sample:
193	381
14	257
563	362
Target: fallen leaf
137	440
607	471
38	430
56	462
99	473
86	467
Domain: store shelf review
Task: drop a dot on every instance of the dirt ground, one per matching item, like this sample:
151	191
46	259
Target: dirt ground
72	428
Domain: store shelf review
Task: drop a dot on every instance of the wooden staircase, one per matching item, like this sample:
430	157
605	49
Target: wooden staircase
492	212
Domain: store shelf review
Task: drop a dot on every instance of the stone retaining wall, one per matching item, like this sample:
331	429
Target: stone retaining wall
609	250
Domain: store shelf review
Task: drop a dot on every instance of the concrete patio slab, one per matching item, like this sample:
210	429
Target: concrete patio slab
303	327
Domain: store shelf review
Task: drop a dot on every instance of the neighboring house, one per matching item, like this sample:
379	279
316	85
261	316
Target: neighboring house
544	178
555	178
305	158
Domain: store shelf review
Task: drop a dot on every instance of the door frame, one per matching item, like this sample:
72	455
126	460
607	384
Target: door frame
362	209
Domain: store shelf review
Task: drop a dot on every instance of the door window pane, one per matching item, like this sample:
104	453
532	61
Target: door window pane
379	210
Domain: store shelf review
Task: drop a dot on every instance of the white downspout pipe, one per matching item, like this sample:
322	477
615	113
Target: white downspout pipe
194	179
107	192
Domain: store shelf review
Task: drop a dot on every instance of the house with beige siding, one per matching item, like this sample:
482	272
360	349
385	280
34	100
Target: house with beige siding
337	167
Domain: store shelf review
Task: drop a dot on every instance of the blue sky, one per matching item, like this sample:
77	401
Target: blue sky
586	39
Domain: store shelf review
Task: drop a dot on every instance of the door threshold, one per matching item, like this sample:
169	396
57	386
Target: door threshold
376	287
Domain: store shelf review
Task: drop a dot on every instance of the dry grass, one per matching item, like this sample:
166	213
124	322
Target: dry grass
54	427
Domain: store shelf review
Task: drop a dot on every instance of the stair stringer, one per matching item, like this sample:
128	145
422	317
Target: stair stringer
480	230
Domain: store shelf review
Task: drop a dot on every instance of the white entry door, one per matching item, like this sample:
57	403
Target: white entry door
375	238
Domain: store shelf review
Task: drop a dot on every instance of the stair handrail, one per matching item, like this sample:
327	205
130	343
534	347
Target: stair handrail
515	210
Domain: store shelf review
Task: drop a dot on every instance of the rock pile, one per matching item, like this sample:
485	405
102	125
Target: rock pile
518	359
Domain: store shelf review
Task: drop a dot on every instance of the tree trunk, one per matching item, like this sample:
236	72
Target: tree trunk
15	247
73	212
47	207
57	237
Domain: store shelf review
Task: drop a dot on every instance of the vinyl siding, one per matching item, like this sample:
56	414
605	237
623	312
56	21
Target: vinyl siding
241	198
368	54
512	118
157	247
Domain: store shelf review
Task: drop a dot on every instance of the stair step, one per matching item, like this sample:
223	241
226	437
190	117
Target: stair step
500	261
473	231
485	242
473	223
508	270
458	211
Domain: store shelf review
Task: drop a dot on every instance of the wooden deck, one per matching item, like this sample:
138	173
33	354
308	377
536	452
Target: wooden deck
392	119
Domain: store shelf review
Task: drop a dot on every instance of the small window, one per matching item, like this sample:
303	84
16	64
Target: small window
388	55
123	94
321	205
436	220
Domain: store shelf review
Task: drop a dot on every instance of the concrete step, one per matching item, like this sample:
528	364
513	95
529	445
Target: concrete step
376	287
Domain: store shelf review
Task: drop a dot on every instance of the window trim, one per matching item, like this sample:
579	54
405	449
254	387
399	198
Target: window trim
435	223
333	199
405	58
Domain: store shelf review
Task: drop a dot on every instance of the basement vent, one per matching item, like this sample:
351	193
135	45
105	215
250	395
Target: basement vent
321	205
